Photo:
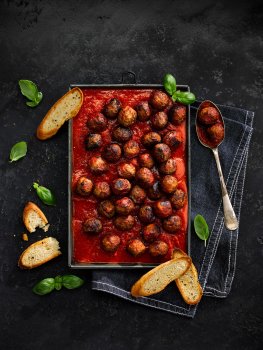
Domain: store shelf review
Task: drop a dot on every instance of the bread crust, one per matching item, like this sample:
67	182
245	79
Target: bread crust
41	134
30	206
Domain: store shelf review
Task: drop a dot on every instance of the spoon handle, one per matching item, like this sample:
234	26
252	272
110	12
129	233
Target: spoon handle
231	222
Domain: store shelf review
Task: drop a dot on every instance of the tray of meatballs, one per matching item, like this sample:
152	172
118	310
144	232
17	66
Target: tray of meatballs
129	177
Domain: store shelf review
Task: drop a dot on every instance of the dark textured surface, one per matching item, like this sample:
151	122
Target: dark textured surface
216	48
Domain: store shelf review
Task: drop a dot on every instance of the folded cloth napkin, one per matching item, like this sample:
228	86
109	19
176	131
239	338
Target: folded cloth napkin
217	261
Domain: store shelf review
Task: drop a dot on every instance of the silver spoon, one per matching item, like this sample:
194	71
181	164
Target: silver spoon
231	222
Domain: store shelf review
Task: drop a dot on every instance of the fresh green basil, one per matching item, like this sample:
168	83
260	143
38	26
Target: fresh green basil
184	97
18	151
71	281
58	282
44	287
201	227
46	196
30	91
47	285
169	83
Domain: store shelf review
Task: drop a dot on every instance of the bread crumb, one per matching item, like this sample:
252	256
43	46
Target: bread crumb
25	237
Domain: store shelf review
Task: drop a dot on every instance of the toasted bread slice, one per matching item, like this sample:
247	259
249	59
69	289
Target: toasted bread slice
33	217
158	278
64	109
39	253
188	283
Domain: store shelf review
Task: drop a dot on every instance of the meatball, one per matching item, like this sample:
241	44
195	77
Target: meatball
159	100
177	114
172	223
146	160
110	242
112	152
84	186
155	192
136	247
208	116
150	139
107	209
161	152
216	133
159	120
97	165
146	214
97	123
143	111
102	190
137	194
126	170
124	223
121	186
163	208
127	116
172	139
124	206
145	177
158	248
112	108
92	225
93	141
169	183
121	134
131	149
168	167
151	232
178	199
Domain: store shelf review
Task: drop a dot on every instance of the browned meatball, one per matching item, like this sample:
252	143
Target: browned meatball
146	214
97	165
93	141
156	173
168	167
136	247
112	152
163	208
172	223
124	223
101	190
146	160
159	100
155	192
178	199
126	170
208	116
121	134
151	232
121	186
145	177
84	186
150	139
143	111
138	195
131	149
92	226
158	248
107	209
124	206
161	152
216	133
169	183
127	116
97	123
159	120
172	139
112	108
177	114
110	242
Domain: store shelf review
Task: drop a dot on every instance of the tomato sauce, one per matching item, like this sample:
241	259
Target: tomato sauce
87	247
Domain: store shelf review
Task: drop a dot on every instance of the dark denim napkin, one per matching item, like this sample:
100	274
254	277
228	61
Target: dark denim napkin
216	263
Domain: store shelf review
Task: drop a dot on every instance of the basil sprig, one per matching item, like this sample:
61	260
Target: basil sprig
18	151
184	97
46	196
201	228
30	91
47	285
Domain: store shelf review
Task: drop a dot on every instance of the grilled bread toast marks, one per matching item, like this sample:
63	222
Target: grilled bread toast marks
188	283
64	109
158	278
33	217
39	253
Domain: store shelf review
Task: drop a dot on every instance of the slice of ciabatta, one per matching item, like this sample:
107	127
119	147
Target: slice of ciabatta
39	253
158	278
188	283
64	109
33	217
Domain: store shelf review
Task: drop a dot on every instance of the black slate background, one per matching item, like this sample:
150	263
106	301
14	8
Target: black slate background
216	48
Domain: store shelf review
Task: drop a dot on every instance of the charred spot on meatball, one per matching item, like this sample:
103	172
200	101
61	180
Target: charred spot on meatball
178	199
172	223
97	165
136	247
131	149
177	114
137	194
146	214
159	100
159	120
124	206
93	226
163	208
208	116
121	186
98	123
146	160
216	133
121	134
110	242
124	223
155	192
161	152
93	141
145	177
172	139
126	170
107	209
158	249
84	186
112	108
112	152
143	111
102	190
151	232
168	167
127	116
169	183
150	139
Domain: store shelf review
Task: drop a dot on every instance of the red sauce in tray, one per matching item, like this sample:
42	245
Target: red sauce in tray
87	247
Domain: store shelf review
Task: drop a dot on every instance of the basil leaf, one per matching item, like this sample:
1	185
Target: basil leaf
58	282
31	103
169	83
39	97
201	227
18	151
72	281
185	97
46	196
30	90
44	287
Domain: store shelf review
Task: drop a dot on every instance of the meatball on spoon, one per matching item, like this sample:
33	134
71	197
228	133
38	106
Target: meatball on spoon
210	130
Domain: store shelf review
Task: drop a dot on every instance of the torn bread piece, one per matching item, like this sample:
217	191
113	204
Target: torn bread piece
33	217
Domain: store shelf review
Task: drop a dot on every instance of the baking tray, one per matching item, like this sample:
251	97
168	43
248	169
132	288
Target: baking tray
71	262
